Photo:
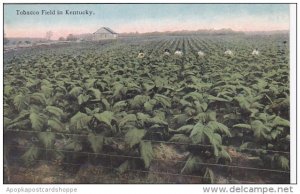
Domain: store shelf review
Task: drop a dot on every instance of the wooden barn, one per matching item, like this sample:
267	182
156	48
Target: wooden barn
104	33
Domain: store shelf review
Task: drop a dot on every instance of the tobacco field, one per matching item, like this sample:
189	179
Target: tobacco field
93	112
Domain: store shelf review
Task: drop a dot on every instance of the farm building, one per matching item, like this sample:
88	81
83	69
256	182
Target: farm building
104	33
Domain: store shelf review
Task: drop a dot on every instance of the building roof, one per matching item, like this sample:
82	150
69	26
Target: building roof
104	30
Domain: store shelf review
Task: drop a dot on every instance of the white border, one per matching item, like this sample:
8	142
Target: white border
153	1
1	97
174	189
293	76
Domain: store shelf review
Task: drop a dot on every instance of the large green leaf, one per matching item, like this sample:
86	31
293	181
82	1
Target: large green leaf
56	125
55	111
127	118
149	105
38	98
219	127
185	103
202	134
216	140
201	107
243	102
181	119
224	154
37	121
82	98
197	134
76	91
206	116
105	104
278	121
8	90
163	100
146	152
119	90
46	90
148	86
89	83
80	121
96	93
20	102
139	100
105	117
119	106
260	130
202	117
142	118
283	162
134	136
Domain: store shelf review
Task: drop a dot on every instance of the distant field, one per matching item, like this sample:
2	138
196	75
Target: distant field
93	112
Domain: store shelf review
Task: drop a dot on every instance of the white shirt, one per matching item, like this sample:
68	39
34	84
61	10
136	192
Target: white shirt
200	53
179	53
141	55
228	52
255	52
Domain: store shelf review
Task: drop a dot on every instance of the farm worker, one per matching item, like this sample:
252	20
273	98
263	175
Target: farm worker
141	54
200	53
167	52
178	52
228	52
255	52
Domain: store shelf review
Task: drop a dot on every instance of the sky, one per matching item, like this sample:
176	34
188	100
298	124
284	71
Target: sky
143	18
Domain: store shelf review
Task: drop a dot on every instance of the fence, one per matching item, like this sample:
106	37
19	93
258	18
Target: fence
90	167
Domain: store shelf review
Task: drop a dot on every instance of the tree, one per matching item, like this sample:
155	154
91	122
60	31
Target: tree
49	34
61	39
71	37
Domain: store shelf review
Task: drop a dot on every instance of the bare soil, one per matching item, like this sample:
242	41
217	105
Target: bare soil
169	160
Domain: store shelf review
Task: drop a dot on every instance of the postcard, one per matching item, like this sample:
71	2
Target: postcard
143	93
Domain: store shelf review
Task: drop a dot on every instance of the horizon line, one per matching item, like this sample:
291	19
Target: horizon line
212	29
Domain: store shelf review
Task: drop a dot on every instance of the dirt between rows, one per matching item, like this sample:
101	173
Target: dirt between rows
169	160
